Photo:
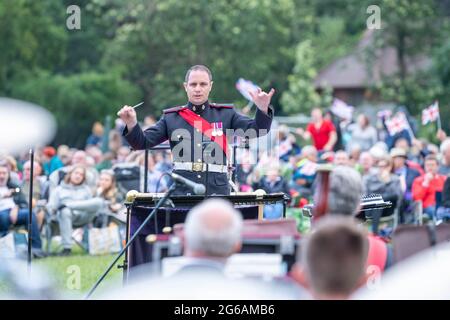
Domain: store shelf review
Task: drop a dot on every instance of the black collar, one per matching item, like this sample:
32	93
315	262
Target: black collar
198	108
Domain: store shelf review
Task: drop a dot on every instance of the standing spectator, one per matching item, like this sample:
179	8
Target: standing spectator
320	130
425	187
362	134
444	168
96	136
336	121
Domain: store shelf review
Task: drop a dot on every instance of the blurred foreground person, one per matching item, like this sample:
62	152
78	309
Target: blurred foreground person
344	198
423	276
334	258
212	233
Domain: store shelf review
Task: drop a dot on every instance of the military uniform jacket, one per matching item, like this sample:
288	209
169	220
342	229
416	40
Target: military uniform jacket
190	145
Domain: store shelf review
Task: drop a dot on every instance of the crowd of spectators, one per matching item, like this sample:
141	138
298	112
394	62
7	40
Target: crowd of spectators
69	183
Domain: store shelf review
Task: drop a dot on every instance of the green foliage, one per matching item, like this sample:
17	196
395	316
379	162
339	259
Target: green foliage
301	96
77	101
139	49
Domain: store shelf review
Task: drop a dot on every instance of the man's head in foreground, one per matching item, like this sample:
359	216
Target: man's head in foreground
334	256
213	230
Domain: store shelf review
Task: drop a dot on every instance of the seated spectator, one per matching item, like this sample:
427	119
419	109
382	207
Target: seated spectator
425	187
70	202
355	154
244	170
40	187
287	145
163	162
79	158
11	163
444	168
443	212
95	153
272	183
366	163
108	191
14	210
154	181
334	257
407	175
305	172
341	158
387	184
122	153
403	144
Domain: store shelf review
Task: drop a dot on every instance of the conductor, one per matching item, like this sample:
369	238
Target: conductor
198	131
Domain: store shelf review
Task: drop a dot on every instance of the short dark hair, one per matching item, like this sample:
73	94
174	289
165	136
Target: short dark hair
198	67
335	256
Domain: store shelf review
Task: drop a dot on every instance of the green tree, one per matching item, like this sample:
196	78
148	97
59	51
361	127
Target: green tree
301	95
77	101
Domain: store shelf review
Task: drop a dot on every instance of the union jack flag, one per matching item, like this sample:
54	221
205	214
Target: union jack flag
431	113
397	123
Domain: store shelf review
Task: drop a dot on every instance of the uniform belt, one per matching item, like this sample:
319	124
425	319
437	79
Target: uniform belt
199	167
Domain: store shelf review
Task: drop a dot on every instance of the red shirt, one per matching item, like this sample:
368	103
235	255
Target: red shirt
322	135
427	194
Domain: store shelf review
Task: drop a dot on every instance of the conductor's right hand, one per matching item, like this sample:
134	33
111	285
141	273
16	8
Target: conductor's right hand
128	115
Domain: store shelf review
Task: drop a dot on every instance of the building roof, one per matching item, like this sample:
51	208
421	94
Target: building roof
351	71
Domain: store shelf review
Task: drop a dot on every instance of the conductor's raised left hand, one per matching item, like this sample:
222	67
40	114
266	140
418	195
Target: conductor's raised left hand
262	99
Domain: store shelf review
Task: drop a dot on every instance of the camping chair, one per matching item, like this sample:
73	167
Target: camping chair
51	224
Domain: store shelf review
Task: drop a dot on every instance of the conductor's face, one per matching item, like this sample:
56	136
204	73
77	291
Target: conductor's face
198	87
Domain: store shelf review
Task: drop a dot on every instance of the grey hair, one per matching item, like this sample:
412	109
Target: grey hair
345	191
308	149
213	239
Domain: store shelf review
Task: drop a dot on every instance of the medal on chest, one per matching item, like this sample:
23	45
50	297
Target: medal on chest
217	129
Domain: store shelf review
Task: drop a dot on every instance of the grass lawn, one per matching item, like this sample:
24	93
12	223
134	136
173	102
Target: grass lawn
73	276
90	268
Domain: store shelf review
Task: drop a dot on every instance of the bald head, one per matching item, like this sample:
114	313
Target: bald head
213	229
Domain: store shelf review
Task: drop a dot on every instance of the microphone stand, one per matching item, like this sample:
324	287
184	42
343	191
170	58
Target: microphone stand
158	205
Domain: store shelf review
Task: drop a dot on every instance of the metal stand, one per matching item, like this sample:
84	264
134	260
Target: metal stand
158	205
30	207
124	265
